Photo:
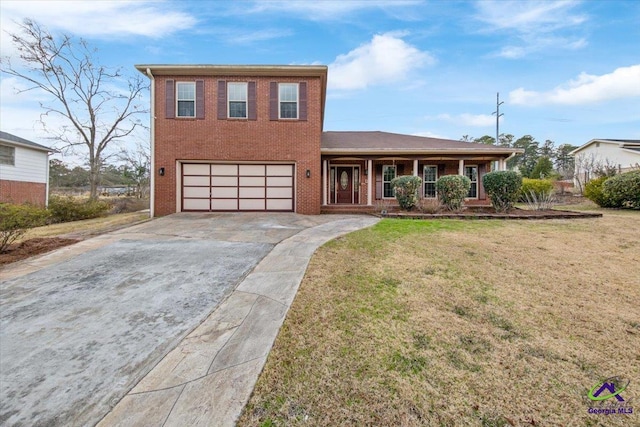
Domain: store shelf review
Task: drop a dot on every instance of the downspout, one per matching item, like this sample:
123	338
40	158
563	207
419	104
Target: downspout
46	194
152	129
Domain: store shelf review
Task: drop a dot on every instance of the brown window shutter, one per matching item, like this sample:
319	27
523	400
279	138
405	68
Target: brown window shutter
378	182
252	105
170	100
481	172
441	170
302	99
273	101
222	100
199	99
399	170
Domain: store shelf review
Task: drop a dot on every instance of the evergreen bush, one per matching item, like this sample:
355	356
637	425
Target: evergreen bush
503	188
452	189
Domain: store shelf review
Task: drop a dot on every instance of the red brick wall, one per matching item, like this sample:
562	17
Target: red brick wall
19	192
239	139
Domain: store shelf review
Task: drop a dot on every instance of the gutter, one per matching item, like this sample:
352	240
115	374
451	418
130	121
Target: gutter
152	130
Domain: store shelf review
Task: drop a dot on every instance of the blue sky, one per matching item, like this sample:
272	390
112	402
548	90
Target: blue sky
568	71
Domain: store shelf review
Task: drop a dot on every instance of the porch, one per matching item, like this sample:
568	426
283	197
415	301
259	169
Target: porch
361	184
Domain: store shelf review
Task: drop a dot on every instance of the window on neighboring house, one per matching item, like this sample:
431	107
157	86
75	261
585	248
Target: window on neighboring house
388	173
7	155
186	98
237	99
471	172
288	99
430	178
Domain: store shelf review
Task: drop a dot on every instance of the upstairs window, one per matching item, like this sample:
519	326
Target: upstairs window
237	100
288	99
186	99
7	155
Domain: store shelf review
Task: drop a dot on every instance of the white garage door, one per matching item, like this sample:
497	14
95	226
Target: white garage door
237	187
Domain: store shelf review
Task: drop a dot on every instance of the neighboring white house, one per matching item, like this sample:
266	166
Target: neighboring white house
623	154
24	171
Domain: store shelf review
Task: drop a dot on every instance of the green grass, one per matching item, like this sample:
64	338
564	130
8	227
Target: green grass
435	322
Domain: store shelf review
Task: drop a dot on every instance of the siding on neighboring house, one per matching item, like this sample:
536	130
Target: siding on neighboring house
30	166
611	154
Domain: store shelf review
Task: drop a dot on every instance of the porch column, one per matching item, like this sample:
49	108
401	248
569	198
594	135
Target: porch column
324	182
369	184
460	167
503	165
415	167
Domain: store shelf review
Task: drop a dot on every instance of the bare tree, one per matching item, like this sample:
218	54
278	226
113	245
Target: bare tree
586	167
100	105
137	165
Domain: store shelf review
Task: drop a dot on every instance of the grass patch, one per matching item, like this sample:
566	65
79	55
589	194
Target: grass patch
450	322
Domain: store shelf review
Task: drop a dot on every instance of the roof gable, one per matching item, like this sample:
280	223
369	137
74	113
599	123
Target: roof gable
622	143
13	139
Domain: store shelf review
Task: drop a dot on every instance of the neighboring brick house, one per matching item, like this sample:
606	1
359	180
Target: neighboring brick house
250	138
24	171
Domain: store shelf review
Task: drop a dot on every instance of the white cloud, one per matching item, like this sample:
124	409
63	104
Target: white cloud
536	25
476	120
623	82
100	18
386	58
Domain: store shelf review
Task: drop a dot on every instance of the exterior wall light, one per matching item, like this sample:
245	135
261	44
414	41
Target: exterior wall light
161	171
308	173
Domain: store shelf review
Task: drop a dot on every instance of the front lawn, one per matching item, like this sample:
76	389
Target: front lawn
450	322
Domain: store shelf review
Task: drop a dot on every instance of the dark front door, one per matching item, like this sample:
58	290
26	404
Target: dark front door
344	186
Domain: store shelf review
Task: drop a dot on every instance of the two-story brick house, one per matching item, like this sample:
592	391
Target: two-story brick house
250	138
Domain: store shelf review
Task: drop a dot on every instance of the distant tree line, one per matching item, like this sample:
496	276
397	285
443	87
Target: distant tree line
539	160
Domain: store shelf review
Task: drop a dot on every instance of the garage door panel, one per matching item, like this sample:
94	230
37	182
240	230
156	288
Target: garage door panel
279	205
224	204
251	170
252	193
224	181
237	187
279	170
280	193
199	192
228	170
196	204
279	181
224	192
252	204
252	181
195	169
196	180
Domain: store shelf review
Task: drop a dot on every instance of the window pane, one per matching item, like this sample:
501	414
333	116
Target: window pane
7	155
471	172
473	191
388	173
288	92
430	173
237	109
388	191
289	110
429	189
237	91
186	91
186	109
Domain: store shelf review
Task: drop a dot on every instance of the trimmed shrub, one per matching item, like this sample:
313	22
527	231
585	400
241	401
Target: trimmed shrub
539	187
623	191
65	209
452	189
503	188
594	191
15	220
407	188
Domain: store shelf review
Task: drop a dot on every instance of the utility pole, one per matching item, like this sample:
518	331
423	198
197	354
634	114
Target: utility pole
497	113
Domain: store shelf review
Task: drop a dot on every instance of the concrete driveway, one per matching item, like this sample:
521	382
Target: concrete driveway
80	327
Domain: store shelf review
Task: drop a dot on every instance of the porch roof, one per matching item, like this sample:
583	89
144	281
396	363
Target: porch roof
376	142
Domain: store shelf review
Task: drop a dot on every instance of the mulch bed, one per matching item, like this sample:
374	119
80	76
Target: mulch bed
31	247
490	213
